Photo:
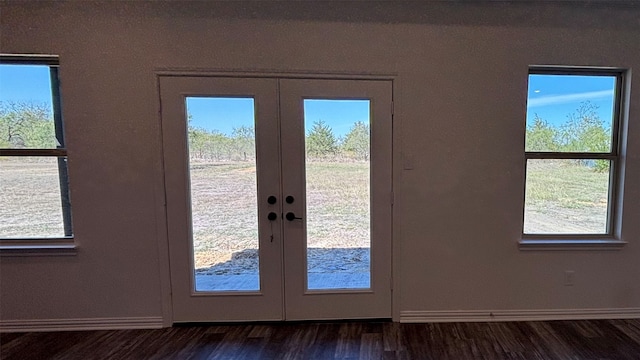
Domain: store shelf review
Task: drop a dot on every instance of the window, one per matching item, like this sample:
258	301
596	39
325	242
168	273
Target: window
34	190
572	148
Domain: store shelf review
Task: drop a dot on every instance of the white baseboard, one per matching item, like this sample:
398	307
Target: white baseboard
151	322
517	315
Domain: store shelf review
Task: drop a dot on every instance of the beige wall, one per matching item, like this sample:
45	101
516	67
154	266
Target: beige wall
461	84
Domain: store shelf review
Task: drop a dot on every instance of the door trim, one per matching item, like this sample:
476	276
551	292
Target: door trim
187	304
374	302
160	189
294	74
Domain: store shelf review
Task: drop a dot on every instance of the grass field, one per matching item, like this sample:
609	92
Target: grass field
30	204
225	217
562	197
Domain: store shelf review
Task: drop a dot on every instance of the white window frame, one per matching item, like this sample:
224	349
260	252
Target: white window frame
612	237
56	244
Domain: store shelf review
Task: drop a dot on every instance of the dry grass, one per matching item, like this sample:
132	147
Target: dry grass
338	205
224	210
30	203
225	217
565	197
561	197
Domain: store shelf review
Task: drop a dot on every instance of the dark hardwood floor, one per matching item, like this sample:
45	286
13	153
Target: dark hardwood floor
593	339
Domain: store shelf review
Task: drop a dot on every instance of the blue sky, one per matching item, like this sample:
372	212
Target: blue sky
25	83
552	97
340	115
224	114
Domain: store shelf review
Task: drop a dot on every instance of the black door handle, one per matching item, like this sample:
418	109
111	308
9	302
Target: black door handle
291	216
271	200
272	216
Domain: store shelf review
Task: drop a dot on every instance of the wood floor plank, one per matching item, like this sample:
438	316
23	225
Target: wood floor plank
592	339
260	331
300	341
392	338
324	346
370	346
629	328
553	345
348	346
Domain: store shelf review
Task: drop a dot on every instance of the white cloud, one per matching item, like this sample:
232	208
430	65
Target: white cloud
569	98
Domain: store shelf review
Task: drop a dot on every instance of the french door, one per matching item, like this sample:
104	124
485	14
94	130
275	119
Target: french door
278	197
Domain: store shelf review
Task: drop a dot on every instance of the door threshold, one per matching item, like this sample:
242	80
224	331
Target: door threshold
279	322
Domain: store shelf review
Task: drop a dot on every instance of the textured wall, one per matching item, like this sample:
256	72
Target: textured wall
460	105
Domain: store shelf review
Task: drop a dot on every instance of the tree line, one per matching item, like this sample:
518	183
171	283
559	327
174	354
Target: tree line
321	143
28	125
583	131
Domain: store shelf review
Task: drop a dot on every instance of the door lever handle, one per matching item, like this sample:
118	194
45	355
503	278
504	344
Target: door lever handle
291	216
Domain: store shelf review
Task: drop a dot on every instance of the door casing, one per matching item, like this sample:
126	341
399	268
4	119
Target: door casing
266	107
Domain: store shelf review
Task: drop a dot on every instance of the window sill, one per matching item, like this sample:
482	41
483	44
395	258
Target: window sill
38	247
584	244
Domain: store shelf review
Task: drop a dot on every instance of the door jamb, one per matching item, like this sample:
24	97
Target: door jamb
164	265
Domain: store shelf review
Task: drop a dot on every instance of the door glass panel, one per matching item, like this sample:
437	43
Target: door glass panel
222	167
337	166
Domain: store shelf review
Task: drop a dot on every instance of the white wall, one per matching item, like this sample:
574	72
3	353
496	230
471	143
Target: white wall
460	106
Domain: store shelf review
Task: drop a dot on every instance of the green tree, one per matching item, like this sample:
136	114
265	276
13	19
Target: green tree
25	125
320	140
213	145
356	142
217	146
586	132
244	142
197	139
541	136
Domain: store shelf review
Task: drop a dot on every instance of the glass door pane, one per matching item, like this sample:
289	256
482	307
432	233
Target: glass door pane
223	183
337	168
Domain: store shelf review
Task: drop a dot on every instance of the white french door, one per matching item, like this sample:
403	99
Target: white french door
278	197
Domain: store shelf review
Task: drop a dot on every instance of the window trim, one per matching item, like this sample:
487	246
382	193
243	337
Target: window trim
40	245
612	238
37	247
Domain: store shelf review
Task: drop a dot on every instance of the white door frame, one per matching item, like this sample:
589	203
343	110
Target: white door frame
163	212
189	305
375	302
